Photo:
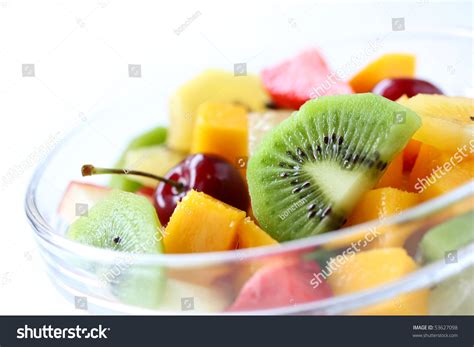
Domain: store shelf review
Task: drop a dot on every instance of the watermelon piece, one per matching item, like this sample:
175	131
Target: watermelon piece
301	78
284	284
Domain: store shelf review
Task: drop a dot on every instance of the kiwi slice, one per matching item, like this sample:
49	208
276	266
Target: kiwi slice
155	136
448	236
121	221
309	172
125	222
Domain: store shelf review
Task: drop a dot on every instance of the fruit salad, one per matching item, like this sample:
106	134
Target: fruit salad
294	152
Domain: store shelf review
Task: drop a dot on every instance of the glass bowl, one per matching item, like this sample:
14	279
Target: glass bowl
207	283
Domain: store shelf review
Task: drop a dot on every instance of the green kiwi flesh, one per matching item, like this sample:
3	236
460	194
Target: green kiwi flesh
308	173
125	222
122	221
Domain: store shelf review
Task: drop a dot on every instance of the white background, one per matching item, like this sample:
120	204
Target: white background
81	51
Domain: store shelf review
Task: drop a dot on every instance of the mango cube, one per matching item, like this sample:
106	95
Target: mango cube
222	129
387	66
393	176
443	183
380	204
376	267
250	235
201	223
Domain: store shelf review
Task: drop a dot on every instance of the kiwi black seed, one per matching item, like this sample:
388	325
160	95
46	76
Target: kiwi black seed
307	175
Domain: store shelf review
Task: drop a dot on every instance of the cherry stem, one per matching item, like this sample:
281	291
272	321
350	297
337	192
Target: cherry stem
89	170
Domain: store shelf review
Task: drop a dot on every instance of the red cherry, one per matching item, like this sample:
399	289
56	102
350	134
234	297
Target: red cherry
204	173
394	88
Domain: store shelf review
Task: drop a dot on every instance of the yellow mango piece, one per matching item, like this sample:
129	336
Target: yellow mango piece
393	176
376	267
221	129
381	203
408	304
428	159
378	204
444	181
201	223
210	85
250	235
387	66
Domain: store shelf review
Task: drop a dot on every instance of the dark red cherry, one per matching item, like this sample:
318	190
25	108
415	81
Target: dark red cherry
394	88
205	173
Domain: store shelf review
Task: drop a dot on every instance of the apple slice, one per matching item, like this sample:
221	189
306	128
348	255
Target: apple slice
80	197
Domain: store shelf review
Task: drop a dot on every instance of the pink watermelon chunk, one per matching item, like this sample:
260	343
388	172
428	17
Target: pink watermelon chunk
280	285
301	78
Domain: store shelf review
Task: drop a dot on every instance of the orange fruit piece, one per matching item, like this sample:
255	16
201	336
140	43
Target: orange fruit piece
447	121
376	267
201	223
444	181
393	176
250	235
221	129
378	204
428	159
381	203
431	164
387	66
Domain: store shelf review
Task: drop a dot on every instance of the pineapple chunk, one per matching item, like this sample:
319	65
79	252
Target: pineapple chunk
261	123
157	160
221	129
211	85
447	122
206	299
201	223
